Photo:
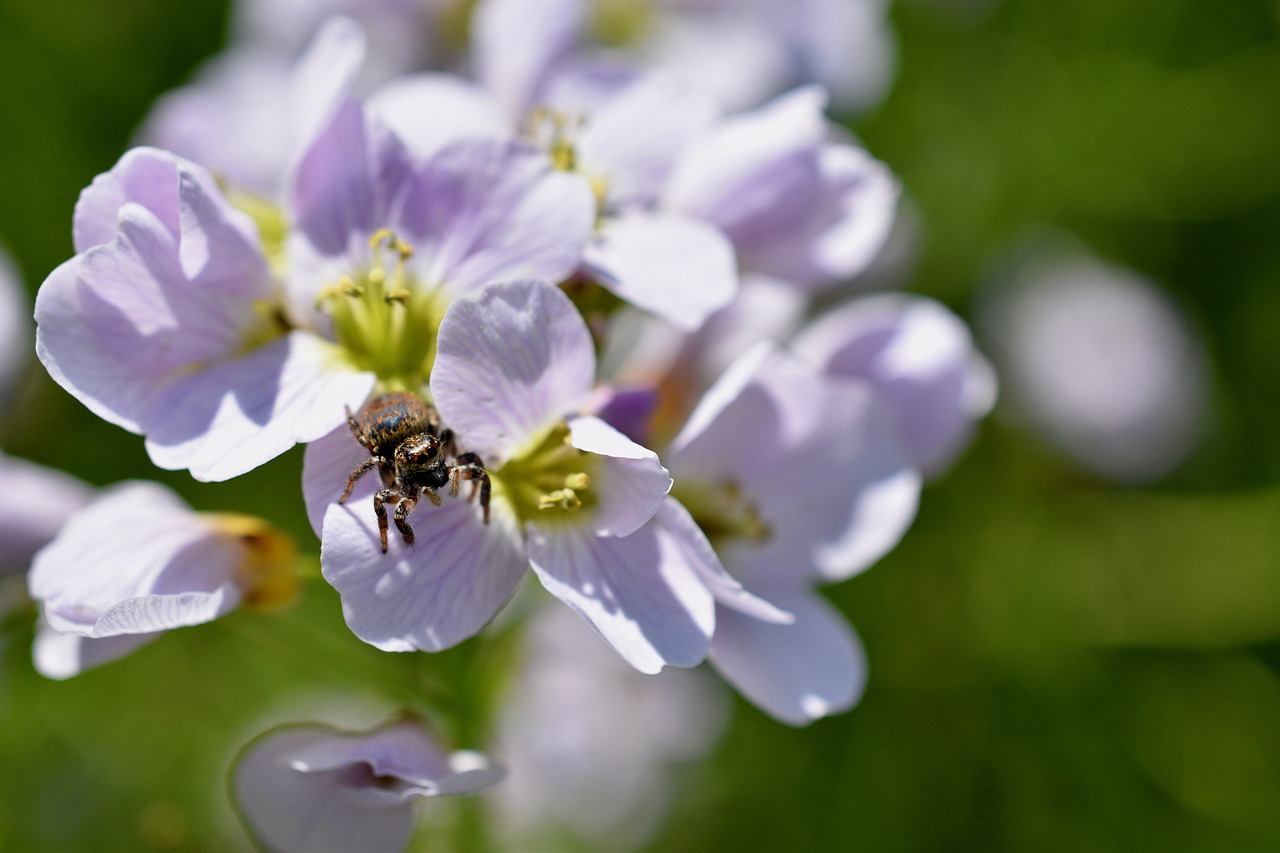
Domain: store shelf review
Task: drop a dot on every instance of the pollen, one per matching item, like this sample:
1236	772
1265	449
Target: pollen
548	482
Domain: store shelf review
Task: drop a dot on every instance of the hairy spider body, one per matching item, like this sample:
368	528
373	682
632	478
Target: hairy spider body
411	450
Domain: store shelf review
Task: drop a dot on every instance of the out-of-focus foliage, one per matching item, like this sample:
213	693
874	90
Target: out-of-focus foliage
1056	663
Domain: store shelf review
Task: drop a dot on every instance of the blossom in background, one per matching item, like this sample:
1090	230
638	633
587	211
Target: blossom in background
1099	360
136	561
740	53
251	112
922	361
798	479
15	325
595	749
307	788
34	503
572	498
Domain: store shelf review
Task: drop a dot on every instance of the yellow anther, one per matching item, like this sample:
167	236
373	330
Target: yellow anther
399	297
382	235
560	499
377	276
578	481
349	287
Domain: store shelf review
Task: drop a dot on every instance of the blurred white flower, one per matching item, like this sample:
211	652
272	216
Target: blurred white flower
593	745
1100	361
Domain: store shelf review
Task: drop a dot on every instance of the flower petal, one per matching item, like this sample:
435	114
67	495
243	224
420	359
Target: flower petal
136	560
639	593
431	111
322	78
145	176
681	528
232	417
345	181
61	656
630	484
796	673
510	364
631	140
847	218
486	211
432	595
326	464
673	265
753	172
516	42
922	359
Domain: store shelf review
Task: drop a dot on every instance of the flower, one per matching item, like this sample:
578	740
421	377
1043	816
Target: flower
309	788
135	562
797	479
1100	361
168	323
572	498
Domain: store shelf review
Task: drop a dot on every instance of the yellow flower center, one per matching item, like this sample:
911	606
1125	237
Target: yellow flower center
265	573
722	511
548	482
384	319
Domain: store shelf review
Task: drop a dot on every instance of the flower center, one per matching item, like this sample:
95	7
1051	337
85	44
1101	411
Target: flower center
722	511
550	481
554	131
266	573
622	23
384	319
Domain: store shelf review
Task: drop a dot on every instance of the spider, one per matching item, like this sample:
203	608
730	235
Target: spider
409	447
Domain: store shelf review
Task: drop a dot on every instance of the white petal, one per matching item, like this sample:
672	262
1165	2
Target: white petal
516	42
232	417
145	176
136	560
682	529
639	593
430	596
673	265
430	111
326	464
799	672
61	656
322	78
510	364
630	484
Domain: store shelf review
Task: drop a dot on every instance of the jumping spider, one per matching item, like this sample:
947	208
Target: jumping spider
410	449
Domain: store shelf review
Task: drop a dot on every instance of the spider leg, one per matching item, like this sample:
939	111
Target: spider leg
471	467
383	496
354	426
432	496
402	518
447	445
364	468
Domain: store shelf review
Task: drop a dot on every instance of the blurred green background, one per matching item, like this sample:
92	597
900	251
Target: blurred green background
1056	663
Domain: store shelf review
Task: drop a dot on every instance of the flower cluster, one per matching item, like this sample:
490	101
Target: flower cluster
457	283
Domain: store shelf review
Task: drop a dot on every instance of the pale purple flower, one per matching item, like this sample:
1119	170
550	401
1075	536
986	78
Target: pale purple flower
1101	362
798	479
922	360
572	498
308	788
594	747
796	205
136	562
168	323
